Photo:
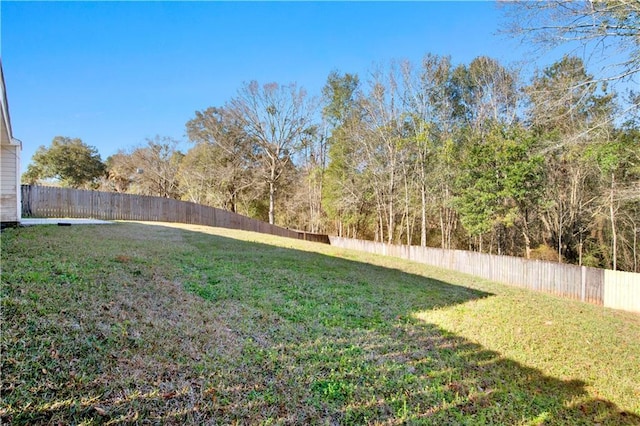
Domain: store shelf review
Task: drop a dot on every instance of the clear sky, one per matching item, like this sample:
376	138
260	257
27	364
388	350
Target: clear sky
116	73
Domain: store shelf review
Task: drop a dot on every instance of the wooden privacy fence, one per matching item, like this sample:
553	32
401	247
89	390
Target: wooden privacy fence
613	289
47	201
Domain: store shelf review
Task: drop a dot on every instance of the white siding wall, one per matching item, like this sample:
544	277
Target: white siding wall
9	184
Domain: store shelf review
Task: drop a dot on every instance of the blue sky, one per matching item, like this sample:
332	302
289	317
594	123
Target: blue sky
116	73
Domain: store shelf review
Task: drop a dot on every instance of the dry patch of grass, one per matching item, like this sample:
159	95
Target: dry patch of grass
185	324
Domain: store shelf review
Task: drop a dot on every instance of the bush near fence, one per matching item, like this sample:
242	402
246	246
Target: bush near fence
613	289
48	201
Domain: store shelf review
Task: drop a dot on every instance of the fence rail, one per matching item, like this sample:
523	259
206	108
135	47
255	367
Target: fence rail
614	289
47	201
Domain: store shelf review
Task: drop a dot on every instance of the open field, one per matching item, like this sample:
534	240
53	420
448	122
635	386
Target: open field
187	324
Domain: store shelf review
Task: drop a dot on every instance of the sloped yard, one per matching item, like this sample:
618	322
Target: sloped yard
180	324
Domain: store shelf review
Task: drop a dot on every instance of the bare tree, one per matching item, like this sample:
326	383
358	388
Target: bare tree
486	93
606	31
382	143
429	120
569	116
314	163
151	169
220	169
275	118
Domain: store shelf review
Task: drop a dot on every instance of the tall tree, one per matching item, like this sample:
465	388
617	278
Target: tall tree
220	168
313	163
501	181
382	143
68	160
276	118
485	100
151	169
121	172
568	114
344	191
429	120
618	171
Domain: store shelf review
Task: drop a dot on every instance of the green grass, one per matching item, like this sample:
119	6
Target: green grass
175	324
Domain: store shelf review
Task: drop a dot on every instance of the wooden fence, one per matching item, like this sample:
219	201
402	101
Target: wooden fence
47	201
614	289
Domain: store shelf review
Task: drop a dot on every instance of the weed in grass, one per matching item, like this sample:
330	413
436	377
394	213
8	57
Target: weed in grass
332	390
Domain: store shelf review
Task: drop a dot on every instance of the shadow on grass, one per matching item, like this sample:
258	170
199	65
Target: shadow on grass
425	375
316	340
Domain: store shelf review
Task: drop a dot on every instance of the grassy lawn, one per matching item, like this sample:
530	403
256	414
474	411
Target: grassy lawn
175	324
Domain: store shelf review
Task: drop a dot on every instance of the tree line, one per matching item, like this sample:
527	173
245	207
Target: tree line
466	156
432	153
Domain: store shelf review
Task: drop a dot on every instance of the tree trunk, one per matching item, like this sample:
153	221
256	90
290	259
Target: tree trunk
272	202
580	245
635	250
560	243
423	225
380	226
527	244
392	224
559	248
234	201
406	208
614	236
442	228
